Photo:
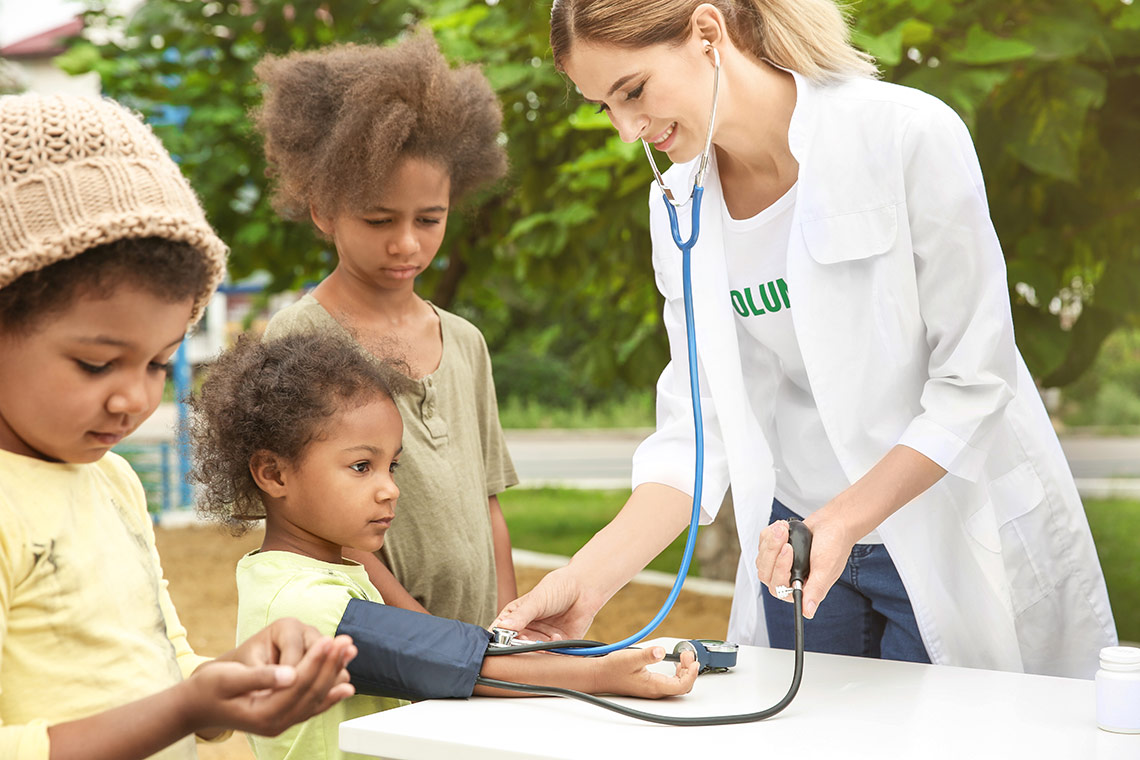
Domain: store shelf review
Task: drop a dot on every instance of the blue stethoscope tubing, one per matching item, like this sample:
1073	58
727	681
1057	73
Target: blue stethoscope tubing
686	247
698	428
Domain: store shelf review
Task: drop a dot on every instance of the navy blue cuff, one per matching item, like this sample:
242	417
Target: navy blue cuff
411	655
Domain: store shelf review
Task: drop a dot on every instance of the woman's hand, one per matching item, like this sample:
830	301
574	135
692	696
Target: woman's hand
624	672
553	610
830	547
895	479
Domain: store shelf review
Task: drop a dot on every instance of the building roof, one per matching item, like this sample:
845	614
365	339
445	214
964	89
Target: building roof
44	44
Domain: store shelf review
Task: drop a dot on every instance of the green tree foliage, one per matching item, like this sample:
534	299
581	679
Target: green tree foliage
554	262
1048	88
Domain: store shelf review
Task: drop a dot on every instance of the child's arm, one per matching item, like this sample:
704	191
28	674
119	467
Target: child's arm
231	692
504	563
623	672
414	656
391	590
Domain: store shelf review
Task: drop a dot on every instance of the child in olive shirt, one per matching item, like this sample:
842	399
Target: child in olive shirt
375	146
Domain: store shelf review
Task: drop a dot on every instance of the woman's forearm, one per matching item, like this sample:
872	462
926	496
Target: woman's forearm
652	517
901	475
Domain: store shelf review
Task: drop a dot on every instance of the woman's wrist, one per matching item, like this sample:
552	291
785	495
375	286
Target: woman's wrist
843	517
584	586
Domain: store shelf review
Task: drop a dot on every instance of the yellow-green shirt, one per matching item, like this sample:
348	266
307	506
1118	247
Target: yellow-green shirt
86	623
275	585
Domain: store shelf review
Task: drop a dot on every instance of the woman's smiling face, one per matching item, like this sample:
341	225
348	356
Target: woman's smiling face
660	93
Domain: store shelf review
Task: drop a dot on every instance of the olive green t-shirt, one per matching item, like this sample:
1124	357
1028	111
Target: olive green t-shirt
455	457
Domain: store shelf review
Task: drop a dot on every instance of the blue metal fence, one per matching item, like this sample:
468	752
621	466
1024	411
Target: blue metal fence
155	466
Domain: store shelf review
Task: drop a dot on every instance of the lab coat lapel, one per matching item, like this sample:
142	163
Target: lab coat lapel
749	457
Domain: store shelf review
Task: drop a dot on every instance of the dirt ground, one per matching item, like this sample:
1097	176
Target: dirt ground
199	563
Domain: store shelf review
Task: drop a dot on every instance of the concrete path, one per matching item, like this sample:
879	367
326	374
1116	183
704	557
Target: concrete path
1104	466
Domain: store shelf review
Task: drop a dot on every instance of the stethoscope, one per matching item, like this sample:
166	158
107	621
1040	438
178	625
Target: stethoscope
710	655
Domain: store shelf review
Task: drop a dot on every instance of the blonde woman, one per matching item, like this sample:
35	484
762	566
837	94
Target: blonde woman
856	350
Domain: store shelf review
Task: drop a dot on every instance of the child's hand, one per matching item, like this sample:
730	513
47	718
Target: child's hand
624	672
285	674
284	642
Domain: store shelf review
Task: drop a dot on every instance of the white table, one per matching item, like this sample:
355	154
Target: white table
847	707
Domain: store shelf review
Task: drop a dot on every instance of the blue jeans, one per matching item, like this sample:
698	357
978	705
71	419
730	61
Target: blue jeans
867	612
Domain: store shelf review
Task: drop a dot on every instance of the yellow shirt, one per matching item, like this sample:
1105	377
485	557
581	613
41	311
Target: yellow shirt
86	623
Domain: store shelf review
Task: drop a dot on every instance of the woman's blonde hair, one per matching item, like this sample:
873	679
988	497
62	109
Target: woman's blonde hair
810	37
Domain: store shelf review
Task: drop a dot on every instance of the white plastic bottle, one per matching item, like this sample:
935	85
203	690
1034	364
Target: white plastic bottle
1118	690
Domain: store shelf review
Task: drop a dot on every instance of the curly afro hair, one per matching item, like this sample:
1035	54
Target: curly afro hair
274	396
337	122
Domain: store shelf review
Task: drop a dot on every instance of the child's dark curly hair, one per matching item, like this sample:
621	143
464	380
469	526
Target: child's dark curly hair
338	121
274	396
168	269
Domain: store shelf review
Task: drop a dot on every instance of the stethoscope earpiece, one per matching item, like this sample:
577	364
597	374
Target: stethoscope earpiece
703	166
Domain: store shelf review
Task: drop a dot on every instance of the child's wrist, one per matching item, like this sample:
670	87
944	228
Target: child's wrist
598	675
187	707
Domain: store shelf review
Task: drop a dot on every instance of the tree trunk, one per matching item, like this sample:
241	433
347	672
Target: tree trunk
448	284
718	548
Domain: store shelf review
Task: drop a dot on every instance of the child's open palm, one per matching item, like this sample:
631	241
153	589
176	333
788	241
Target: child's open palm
625	672
284	674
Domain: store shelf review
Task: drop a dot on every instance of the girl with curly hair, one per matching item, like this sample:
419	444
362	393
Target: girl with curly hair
303	429
374	146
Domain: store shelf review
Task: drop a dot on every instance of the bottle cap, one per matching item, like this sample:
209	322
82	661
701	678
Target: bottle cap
1120	658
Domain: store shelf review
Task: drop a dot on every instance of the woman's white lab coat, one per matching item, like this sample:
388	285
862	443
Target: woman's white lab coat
901	310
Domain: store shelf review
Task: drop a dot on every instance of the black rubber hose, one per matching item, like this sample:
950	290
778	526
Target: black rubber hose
668	720
540	646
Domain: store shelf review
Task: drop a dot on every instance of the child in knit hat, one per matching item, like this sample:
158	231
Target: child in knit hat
106	259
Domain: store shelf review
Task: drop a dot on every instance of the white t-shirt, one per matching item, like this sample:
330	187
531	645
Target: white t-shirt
808	474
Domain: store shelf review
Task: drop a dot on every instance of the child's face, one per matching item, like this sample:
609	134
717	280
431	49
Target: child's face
79	382
341	491
391	243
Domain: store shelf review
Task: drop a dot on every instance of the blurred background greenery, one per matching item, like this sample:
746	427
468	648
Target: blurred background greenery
553	264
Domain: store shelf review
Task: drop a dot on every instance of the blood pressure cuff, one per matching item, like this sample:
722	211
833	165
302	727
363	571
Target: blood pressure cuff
410	655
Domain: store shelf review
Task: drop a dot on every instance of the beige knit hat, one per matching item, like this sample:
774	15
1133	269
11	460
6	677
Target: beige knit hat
78	172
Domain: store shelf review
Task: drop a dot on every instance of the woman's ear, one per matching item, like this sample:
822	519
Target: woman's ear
268	473
708	25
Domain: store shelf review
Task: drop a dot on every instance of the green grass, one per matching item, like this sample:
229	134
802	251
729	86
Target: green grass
1115	527
635	410
560	521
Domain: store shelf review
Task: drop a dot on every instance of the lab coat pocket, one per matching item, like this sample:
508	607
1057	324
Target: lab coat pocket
851	237
852	249
1013	521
